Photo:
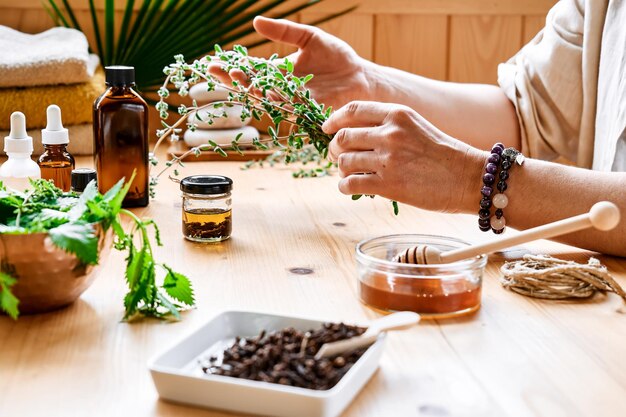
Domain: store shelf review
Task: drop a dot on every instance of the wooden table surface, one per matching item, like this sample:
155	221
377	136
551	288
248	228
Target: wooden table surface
515	357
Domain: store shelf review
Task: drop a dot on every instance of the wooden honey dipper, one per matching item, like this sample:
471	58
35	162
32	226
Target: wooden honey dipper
602	216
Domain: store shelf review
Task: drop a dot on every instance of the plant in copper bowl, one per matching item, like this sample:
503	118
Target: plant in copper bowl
52	241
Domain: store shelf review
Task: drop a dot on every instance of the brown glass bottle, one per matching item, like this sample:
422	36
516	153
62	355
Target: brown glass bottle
120	125
57	164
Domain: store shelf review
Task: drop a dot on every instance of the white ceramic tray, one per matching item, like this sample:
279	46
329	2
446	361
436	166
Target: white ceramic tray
179	378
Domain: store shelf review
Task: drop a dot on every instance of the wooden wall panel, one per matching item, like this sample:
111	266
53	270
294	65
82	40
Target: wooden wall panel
479	43
357	29
413	43
460	40
532	26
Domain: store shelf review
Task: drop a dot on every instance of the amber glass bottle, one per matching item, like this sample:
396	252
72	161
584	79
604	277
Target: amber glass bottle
120	125
57	164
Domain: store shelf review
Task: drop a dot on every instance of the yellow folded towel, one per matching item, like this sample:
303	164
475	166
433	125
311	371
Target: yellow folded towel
75	101
81	139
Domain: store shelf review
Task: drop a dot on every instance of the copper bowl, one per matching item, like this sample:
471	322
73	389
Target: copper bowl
48	278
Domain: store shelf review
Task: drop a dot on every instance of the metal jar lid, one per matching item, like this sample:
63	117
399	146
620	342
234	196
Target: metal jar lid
206	184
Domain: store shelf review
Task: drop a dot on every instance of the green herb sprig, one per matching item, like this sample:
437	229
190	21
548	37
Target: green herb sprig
273	89
69	220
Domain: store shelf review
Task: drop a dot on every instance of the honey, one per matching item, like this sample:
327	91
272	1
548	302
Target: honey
434	291
425	296
204	225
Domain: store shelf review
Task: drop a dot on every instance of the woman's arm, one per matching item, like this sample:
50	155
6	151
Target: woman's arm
478	114
392	151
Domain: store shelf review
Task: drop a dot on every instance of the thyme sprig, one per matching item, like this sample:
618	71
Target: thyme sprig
274	90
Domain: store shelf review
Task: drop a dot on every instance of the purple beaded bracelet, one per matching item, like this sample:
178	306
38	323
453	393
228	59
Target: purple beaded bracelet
506	158
489	178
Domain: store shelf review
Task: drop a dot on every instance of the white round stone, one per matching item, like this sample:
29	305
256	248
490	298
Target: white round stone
500	201
231	121
223	137
199	93
497	223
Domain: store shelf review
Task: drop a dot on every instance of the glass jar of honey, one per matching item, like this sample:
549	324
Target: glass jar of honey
207	212
434	291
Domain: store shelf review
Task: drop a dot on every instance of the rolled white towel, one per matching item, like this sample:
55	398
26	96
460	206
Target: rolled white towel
56	56
199	93
222	137
231	121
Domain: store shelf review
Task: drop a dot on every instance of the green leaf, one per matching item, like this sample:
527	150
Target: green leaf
168	305
178	287
8	302
396	210
78	239
357	196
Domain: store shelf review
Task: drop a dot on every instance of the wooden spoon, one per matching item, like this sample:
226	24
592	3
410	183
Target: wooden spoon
602	216
396	321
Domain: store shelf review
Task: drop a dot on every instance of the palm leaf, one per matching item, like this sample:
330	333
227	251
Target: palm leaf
96	29
149	37
128	15
109	29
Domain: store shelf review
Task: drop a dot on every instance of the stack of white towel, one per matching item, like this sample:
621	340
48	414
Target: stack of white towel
52	67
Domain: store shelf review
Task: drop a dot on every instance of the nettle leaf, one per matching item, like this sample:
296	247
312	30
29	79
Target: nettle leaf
8	302
78	239
168	305
178	287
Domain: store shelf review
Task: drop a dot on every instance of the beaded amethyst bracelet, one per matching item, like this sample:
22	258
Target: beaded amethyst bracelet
508	156
489	178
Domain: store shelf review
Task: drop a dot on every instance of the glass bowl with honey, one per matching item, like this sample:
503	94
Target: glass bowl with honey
433	291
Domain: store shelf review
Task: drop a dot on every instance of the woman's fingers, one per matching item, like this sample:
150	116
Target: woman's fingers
355	139
357	163
285	31
217	71
361	184
357	114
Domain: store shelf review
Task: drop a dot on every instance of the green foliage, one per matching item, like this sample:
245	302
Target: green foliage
8	302
149	35
273	90
69	220
78	239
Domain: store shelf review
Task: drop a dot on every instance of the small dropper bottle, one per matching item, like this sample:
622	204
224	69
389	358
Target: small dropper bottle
55	162
81	177
19	168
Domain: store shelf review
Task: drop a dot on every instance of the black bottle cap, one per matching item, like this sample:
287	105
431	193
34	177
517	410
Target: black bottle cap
120	76
81	177
206	184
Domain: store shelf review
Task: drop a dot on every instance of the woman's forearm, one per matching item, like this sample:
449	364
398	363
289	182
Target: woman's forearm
541	192
478	114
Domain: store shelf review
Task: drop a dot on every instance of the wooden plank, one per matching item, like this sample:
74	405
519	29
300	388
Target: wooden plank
357	29
413	43
516	357
479	43
532	26
463	7
448	7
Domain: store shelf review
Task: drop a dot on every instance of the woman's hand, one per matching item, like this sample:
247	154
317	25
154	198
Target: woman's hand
392	151
339	73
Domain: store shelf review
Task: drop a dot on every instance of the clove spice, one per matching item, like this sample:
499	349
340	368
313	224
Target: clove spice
287	357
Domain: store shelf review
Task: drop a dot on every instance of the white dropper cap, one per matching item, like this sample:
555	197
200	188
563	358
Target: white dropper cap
54	133
18	140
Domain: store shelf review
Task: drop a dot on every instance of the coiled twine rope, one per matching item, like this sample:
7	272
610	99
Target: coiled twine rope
543	276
